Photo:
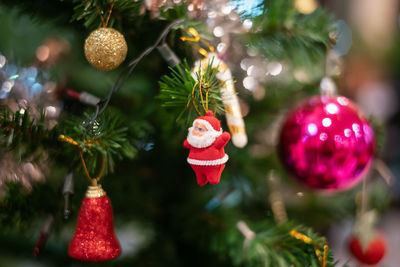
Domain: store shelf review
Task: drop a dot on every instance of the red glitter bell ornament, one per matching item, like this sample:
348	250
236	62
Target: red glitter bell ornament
95	239
373	252
326	143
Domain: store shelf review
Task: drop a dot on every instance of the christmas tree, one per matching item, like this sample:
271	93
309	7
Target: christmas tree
224	133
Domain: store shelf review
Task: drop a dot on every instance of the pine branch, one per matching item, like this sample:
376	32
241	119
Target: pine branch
282	33
26	137
87	11
276	247
180	92
22	134
107	138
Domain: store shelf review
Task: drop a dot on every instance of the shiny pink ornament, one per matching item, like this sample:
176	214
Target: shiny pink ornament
326	144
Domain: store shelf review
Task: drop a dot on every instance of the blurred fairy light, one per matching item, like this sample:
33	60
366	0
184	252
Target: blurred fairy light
249	83
327	86
221	47
274	68
43	53
226	9
7	85
212	14
2	61
233	16
32	170
326	122
252	52
51	112
244	64
218	31
305	6
332	108
312	129
247	24
250	70
22	89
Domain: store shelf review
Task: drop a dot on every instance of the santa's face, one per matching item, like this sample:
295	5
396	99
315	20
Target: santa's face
201	135
199	129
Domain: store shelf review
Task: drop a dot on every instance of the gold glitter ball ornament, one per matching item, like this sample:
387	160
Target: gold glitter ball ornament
105	48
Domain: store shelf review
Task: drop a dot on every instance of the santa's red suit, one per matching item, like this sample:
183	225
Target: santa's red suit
207	155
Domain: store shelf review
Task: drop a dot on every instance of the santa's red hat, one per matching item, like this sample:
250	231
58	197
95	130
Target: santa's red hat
210	120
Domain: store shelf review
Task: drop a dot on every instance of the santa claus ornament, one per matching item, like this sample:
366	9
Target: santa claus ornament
233	114
206	142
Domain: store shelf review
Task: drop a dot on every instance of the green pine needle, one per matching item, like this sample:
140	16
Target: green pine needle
27	137
276	247
177	88
87	11
24	135
108	137
282	33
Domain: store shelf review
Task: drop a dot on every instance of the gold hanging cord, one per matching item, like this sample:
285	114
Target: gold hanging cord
71	141
105	22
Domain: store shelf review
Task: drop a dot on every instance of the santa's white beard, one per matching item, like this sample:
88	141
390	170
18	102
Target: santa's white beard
202	141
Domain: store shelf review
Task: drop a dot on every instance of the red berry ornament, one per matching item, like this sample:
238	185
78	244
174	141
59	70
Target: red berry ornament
373	253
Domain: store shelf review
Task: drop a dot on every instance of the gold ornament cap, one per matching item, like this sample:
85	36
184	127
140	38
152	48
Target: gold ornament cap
95	191
105	48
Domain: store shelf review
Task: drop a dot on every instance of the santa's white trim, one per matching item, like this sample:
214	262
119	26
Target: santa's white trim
215	162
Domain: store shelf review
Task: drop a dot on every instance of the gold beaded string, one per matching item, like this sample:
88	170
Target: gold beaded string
71	141
195	38
105	22
321	258
279	212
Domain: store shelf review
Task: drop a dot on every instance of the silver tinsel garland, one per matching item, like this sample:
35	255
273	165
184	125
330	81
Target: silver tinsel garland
21	89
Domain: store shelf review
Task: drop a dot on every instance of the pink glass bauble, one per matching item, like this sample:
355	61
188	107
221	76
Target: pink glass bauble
326	144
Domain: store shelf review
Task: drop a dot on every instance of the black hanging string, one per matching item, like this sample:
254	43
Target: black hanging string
126	72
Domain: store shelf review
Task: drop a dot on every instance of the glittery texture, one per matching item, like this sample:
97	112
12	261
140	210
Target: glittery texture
95	239
105	48
326	144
